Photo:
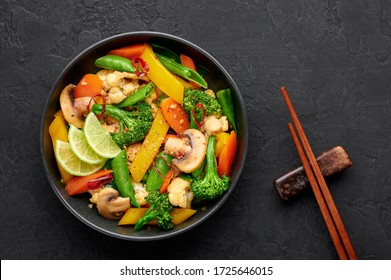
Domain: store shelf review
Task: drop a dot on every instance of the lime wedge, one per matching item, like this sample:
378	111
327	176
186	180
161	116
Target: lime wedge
71	163
80	147
99	138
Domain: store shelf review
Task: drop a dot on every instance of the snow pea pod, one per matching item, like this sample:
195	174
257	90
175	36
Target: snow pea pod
173	56
115	62
139	95
182	71
166	52
225	100
122	177
162	166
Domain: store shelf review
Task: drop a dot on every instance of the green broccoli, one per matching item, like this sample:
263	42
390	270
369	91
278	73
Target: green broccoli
192	97
134	125
160	208
211	186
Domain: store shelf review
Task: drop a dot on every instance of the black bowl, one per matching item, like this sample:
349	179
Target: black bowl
217	78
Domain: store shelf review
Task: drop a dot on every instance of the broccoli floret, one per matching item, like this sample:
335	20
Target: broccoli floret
211	186
134	124
160	208
192	97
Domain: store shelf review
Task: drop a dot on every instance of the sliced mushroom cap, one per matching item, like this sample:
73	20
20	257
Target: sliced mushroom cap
192	160
110	205
67	107
81	104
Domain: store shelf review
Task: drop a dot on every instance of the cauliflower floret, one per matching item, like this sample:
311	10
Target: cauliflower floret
115	96
140	192
132	150
113	79
210	93
102	74
179	193
213	125
129	87
151	98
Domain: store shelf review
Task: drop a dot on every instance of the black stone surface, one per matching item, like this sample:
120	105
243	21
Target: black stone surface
334	59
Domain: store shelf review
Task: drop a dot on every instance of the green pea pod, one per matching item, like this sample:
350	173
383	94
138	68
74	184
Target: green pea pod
225	99
139	95
192	122
155	180
171	55
182	71
122	177
166	52
115	62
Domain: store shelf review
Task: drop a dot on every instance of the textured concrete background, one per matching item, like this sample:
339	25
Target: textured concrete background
333	57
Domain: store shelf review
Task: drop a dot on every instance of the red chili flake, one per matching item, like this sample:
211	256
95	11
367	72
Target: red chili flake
99	182
193	112
141	66
100	116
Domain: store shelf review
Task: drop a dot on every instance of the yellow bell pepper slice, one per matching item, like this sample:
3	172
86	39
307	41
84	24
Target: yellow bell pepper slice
58	131
150	147
162	78
132	215
221	140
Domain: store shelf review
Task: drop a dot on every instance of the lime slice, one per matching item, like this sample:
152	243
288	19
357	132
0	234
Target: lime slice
80	147
71	163
99	138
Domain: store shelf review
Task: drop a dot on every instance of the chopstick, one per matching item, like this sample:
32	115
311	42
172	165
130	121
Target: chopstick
322	194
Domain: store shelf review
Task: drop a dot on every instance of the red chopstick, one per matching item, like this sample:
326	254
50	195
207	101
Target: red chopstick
322	194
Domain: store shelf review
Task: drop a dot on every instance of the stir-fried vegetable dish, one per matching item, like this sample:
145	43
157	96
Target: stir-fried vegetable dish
145	137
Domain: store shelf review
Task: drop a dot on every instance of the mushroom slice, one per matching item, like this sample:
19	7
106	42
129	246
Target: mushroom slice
110	205
193	159
67	108
81	104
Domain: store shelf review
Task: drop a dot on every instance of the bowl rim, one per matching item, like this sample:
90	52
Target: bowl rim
216	205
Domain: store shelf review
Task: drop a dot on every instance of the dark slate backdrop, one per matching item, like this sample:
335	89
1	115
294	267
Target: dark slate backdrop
333	57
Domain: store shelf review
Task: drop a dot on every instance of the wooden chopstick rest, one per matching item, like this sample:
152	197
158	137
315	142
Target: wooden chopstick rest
331	162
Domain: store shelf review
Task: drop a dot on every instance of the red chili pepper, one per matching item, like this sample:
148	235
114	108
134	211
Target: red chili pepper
140	63
157	169
193	112
99	182
103	105
78	185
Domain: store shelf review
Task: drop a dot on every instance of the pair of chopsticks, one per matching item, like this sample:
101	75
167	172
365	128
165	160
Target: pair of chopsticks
319	187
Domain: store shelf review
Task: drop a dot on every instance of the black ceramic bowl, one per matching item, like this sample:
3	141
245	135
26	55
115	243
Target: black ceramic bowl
217	78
